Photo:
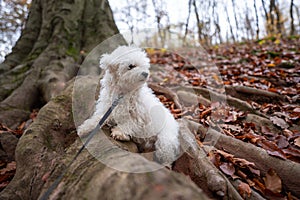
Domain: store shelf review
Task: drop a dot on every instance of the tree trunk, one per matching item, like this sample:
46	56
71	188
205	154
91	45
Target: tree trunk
266	16
292	32
187	23
271	13
235	19
229	23
47	55
256	20
199	24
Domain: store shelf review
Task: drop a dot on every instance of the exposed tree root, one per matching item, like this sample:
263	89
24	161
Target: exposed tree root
217	97
41	157
167	92
257	95
194	162
286	169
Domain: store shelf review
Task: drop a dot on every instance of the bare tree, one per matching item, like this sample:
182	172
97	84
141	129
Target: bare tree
298	15
229	23
292	32
235	17
267	17
133	21
279	21
199	23
216	22
256	19
187	22
271	10
160	15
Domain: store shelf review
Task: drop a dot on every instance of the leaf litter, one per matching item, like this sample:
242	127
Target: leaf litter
271	69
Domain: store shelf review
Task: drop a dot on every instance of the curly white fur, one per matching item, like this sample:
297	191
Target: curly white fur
140	114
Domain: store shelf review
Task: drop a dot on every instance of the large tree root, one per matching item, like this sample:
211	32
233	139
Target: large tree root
286	169
194	162
257	95
217	97
47	147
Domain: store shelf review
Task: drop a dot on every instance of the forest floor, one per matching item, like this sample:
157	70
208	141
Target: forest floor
254	96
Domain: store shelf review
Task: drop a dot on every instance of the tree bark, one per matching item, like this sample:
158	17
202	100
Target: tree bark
256	20
292	32
47	55
199	24
266	16
49	144
187	22
229	23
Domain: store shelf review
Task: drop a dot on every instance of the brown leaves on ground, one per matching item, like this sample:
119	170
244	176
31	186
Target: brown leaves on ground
250	64
238	168
7	172
8	168
261	66
22	127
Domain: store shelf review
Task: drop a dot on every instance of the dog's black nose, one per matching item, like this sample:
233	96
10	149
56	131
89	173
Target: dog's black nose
145	74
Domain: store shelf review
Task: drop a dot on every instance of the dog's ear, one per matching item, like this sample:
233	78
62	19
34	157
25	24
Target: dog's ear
104	61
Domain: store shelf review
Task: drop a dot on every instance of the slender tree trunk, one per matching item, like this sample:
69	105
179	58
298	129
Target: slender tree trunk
187	22
235	17
256	20
266	16
292	31
159	14
216	22
229	23
199	25
272	23
298	16
279	23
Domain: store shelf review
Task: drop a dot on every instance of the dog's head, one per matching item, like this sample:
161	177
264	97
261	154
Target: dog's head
128	66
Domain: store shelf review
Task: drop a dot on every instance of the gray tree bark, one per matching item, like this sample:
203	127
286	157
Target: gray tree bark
48	53
51	142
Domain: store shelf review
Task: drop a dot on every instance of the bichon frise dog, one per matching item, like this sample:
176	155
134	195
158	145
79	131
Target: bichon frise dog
140	115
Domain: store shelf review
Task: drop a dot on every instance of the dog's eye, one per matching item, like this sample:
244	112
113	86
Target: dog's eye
131	66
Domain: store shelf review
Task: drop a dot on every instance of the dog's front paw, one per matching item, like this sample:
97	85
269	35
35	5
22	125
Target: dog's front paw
117	134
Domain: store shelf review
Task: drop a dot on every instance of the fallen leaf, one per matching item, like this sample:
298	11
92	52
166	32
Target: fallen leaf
243	162
227	168
292	152
244	190
279	122
273	181
277	41
271	65
281	141
9	167
297	141
276	154
297	110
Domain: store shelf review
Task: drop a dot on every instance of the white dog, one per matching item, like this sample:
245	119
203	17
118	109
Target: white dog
140	115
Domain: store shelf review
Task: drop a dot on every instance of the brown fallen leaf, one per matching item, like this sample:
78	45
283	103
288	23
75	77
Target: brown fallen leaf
244	189
281	142
227	168
297	141
273	181
9	167
279	122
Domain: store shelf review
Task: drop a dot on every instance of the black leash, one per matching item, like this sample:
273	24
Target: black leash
90	136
